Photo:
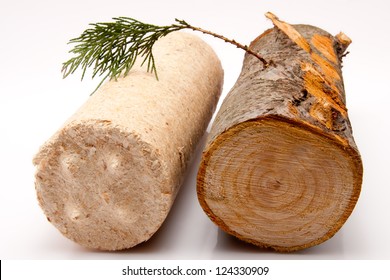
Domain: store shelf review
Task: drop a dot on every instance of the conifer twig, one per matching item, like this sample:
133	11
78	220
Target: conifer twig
112	48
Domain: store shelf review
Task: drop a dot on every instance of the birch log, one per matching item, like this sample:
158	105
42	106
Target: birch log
281	168
107	179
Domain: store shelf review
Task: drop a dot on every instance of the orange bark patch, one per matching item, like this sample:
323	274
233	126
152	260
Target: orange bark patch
324	45
329	71
322	112
290	31
293	110
319	87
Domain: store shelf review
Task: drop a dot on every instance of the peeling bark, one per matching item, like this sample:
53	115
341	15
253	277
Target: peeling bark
281	168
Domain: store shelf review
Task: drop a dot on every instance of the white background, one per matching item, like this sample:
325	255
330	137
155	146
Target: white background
35	101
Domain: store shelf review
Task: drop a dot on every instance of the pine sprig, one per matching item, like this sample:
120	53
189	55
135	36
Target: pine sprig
112	48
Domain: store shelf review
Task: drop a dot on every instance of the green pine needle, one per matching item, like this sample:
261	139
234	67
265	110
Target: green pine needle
112	48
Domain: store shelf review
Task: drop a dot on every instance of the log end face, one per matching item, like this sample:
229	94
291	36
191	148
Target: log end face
277	184
102	187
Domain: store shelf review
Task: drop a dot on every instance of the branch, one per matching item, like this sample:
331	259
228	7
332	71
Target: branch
231	41
112	48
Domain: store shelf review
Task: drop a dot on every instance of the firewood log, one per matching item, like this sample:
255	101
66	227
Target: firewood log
280	168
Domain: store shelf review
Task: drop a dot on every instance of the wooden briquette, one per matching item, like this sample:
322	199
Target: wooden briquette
280	168
107	179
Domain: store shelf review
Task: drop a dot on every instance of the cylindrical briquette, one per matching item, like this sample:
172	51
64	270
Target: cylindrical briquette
107	179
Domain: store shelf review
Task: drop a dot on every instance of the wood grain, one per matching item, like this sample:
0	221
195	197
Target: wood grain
281	168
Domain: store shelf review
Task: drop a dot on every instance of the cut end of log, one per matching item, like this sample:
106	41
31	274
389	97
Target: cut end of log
274	183
102	187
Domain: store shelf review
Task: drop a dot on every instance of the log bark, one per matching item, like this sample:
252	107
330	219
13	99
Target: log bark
280	168
107	179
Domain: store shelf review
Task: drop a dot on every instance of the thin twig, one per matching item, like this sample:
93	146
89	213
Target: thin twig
231	41
111	48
